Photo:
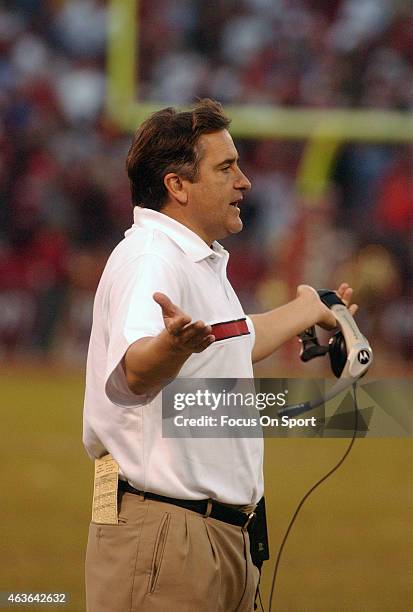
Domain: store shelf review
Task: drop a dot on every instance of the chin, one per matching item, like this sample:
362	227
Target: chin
235	228
228	230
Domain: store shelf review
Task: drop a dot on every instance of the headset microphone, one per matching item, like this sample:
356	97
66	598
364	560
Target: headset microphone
349	351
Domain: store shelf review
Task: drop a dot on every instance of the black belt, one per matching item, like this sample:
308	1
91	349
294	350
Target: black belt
206	507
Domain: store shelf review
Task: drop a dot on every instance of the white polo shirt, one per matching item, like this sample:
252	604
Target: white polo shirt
160	254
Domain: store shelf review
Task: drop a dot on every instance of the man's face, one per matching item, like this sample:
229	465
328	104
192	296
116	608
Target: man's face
214	199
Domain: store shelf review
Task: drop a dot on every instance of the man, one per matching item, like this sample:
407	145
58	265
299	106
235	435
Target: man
164	308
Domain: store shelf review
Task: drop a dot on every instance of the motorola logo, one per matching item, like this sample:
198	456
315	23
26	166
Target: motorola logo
363	357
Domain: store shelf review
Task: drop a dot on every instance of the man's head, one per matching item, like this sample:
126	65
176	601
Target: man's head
168	142
185	164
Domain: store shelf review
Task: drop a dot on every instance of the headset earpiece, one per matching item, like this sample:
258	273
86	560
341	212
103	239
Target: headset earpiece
349	351
358	351
337	351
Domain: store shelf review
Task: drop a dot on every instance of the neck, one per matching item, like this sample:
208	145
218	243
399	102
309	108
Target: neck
178	214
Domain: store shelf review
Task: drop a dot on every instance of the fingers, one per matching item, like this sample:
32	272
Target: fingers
173	316
342	288
204	344
176	325
345	293
168	308
353	309
194	330
187	336
194	336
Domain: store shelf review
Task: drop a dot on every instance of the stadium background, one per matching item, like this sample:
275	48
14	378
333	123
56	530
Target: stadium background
64	203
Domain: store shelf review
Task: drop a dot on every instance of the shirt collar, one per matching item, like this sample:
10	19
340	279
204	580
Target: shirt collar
185	238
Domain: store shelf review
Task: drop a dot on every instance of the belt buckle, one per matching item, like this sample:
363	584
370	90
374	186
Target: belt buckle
250	518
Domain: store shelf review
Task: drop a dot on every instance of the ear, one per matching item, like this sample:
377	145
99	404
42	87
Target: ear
175	187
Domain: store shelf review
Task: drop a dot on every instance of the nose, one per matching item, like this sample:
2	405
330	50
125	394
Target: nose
242	181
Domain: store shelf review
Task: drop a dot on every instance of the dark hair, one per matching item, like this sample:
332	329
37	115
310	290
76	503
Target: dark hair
167	142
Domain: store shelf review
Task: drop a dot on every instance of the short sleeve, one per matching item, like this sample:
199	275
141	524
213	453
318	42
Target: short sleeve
133	314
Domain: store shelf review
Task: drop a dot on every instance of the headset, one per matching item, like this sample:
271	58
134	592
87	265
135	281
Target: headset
350	357
349	351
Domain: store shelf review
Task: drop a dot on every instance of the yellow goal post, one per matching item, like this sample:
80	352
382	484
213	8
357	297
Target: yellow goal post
324	131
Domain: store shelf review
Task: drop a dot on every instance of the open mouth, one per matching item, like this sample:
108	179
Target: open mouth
235	204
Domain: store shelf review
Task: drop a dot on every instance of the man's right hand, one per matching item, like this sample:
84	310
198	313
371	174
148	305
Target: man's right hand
151	362
185	337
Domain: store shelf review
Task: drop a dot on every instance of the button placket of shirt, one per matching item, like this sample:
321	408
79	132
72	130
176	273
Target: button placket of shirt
216	264
221	269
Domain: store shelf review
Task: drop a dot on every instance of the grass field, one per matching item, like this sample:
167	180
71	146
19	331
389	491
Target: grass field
350	551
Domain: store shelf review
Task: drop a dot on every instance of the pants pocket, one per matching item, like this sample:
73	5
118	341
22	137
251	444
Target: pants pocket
110	566
158	552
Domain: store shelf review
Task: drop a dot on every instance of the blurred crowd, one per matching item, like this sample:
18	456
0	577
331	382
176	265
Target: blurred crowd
64	195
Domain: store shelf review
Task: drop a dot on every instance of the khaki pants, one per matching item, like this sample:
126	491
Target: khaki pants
162	557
